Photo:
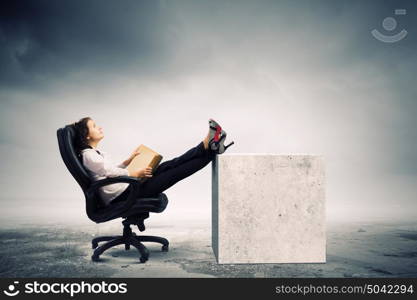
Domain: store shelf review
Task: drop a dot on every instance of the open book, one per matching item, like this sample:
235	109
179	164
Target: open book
146	158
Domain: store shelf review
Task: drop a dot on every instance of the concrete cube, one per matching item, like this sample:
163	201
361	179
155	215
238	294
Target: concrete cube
268	208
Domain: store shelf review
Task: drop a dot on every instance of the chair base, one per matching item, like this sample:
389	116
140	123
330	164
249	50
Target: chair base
128	238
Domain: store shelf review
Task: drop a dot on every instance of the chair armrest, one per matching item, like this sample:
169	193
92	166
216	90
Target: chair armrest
133	181
110	180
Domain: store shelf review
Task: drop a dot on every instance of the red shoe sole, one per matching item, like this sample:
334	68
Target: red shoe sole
217	134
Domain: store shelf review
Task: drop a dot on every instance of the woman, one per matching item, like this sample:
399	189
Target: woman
99	165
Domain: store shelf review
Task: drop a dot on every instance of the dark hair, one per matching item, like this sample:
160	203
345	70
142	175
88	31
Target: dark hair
81	133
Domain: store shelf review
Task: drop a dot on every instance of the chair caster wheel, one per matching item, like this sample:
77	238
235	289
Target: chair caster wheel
95	257
143	259
165	248
94	245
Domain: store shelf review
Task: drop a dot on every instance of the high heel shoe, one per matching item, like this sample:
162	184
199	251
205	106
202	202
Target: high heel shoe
216	132
213	145
221	147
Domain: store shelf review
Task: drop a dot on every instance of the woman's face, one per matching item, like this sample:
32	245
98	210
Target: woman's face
95	133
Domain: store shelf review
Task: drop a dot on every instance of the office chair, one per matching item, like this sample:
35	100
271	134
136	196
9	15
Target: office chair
133	211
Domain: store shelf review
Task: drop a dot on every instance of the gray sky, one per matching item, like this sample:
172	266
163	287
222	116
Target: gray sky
280	76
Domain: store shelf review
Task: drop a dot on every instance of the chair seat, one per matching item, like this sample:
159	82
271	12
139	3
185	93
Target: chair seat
149	204
155	204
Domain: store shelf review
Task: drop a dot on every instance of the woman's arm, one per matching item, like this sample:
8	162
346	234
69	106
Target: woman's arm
123	164
97	164
129	160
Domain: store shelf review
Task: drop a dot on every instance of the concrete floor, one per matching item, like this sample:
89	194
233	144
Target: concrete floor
57	250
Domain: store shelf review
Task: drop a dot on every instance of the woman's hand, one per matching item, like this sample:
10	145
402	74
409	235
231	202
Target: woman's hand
131	157
146	172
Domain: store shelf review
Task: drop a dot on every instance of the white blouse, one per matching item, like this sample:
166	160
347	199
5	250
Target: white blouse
100	166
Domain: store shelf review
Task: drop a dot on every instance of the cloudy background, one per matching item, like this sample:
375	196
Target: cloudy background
281	77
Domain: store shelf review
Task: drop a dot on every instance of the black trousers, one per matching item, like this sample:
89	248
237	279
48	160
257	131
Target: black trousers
170	172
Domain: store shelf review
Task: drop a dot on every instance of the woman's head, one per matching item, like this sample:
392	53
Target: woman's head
87	134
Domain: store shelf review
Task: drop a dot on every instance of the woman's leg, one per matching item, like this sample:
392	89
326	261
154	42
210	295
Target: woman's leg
194	152
176	170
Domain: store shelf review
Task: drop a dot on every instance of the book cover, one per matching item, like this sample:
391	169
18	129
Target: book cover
146	158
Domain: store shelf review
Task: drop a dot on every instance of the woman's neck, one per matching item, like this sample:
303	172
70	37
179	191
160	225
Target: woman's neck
93	144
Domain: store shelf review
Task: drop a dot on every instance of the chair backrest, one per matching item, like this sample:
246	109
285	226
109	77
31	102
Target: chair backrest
66	138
